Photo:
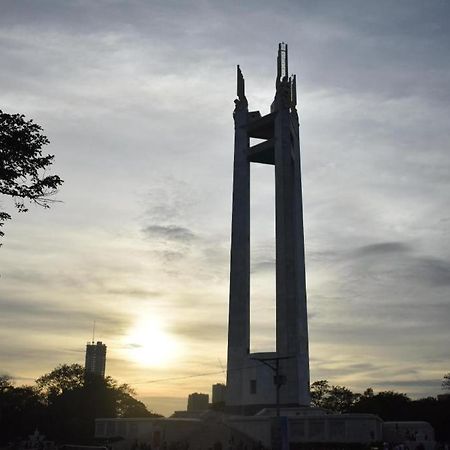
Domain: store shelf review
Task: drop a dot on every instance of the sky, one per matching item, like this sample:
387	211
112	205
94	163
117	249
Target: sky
136	98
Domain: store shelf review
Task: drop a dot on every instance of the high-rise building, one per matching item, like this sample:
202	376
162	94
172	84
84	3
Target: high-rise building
218	393
197	402
95	361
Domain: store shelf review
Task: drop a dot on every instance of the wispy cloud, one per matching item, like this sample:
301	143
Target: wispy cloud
137	101
169	232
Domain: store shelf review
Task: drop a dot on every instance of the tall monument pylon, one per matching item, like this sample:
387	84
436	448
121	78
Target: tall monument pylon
258	380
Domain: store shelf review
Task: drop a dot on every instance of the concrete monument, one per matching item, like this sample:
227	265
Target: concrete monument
259	380
260	383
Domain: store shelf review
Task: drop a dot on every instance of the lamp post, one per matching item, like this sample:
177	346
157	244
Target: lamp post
279	439
278	379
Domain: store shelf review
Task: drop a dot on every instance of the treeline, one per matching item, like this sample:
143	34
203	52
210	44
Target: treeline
389	405
63	405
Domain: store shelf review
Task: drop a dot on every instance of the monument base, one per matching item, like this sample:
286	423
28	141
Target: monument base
258	409
306	424
296	427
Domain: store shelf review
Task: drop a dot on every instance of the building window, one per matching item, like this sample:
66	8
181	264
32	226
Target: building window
252	386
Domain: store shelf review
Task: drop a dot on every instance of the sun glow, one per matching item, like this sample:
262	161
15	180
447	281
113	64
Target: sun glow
148	344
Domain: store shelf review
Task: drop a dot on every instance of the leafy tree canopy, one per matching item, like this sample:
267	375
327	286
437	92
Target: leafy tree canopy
334	398
387	404
64	404
63	378
319	390
23	165
446	382
5	383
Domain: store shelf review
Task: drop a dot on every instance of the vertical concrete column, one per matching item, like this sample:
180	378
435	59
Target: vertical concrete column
291	320
302	313
239	305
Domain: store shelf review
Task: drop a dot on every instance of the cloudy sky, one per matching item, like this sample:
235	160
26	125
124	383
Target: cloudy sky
137	97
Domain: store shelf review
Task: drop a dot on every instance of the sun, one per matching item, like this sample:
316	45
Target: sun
148	344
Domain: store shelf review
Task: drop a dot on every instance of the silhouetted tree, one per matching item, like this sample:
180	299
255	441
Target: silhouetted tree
319	390
368	392
6	386
334	398
63	378
395	406
75	398
21	410
64	404
389	405
434	411
5	383
340	399
446	382
128	406
23	165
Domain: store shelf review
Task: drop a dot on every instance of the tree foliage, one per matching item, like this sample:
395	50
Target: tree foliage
23	165
389	405
20	409
446	382
334	398
64	404
63	378
319	390
5	383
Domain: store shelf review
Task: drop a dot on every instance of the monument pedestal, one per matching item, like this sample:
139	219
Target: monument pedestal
308	425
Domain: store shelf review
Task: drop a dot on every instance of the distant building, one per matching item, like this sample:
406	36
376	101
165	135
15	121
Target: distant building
197	402
218	393
95	358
